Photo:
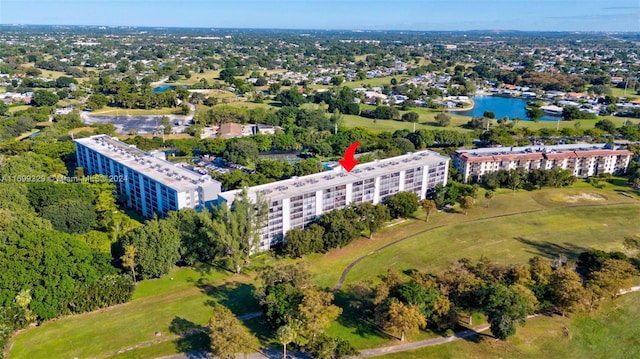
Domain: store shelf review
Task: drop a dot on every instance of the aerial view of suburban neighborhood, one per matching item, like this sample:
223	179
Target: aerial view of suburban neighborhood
319	179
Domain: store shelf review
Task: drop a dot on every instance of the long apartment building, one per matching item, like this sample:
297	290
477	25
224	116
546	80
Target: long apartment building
150	183
583	160
296	202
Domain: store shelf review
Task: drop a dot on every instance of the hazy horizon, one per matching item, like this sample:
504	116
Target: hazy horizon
400	15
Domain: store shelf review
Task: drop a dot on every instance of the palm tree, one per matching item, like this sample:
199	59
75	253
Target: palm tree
489	195
429	206
129	259
285	335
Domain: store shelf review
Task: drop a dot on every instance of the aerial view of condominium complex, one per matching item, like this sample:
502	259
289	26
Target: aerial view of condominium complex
583	160
152	185
319	179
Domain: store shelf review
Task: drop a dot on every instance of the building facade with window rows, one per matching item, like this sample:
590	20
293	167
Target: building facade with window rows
296	202
146	181
583	160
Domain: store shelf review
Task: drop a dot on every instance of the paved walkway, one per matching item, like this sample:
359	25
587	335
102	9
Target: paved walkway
272	353
366	353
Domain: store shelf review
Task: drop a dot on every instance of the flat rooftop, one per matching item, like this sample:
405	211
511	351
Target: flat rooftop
160	170
338	176
602	148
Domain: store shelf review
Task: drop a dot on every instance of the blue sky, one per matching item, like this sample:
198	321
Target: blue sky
543	15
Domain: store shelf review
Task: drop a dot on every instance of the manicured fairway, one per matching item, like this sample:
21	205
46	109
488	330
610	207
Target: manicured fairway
511	239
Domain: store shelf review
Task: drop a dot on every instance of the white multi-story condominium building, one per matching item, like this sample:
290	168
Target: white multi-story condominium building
583	160
296	202
151	185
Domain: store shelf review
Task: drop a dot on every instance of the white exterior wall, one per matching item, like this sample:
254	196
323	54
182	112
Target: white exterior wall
376	192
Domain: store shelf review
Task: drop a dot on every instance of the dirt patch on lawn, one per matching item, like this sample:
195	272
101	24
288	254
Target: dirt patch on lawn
584	196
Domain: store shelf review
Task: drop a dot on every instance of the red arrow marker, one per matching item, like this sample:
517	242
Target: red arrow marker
348	162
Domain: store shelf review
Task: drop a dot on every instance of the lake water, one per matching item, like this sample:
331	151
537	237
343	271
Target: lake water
501	106
165	88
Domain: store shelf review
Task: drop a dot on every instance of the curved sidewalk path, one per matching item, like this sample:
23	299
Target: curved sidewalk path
374	352
367	353
349	267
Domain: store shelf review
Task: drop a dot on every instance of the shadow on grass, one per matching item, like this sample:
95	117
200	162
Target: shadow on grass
193	338
357	318
261	328
552	250
238	297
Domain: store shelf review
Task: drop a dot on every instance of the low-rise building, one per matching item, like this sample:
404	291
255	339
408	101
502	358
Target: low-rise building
583	160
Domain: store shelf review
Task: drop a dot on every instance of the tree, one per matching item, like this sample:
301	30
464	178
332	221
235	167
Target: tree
341	227
489	114
443	120
337	80
166	125
299	242
158	246
634	179
565	287
316	311
228	336
505	308
488	195
428	205
129	260
4	109
402	204
614	275
410	117
606	126
241	151
291	97
466	203
44	98
286	334
534	113
71	216
403	319
243	229
373	216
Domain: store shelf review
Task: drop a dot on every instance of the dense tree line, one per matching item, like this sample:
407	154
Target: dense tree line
536	178
338	228
506	294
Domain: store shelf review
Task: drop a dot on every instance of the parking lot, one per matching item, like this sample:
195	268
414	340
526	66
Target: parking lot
142	125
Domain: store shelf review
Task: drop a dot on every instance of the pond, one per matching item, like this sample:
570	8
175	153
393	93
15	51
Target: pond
501	106
164	88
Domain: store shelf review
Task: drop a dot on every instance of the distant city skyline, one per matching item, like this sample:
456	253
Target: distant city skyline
427	15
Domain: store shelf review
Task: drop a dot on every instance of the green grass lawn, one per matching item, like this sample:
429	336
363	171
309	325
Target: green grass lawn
610	333
328	267
187	294
14	109
619	92
210	75
513	239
